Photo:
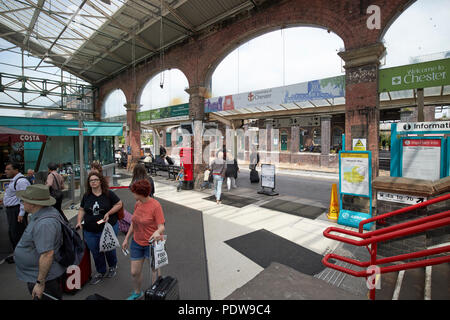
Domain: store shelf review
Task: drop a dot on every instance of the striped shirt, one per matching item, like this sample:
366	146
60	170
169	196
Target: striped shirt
10	199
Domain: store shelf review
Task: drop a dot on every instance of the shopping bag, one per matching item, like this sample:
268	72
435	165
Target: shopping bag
108	239
159	254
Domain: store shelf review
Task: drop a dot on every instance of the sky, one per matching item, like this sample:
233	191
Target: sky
295	55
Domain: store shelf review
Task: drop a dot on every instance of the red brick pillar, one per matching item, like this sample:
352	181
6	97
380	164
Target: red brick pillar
133	134
362	112
197	96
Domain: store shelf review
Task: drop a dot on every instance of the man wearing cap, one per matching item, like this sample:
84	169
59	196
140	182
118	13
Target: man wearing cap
34	254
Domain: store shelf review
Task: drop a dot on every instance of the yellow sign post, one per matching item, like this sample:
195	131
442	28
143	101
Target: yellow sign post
333	212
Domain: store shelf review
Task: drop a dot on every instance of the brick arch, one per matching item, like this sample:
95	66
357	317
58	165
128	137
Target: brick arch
197	56
348	20
226	50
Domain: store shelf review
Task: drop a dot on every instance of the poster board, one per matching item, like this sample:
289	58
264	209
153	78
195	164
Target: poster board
268	176
355	179
422	158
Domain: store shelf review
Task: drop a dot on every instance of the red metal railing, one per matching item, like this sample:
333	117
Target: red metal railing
372	238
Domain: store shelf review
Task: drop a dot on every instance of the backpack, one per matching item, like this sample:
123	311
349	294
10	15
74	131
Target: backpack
72	248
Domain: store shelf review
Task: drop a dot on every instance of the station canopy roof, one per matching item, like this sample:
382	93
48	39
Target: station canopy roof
96	39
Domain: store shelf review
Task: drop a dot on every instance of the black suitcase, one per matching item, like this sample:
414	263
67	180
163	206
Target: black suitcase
164	288
254	177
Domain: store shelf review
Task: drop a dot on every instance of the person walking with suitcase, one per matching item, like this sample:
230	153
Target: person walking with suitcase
16	215
99	204
147	224
231	171
218	168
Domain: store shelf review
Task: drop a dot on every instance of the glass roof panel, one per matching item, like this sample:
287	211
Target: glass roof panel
53	17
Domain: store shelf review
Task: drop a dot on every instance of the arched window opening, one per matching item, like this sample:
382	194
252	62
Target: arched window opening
167	88
113	108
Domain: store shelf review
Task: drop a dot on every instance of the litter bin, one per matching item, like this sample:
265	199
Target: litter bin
187	161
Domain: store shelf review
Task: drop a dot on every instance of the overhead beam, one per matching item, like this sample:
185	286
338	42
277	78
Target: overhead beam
182	20
33	20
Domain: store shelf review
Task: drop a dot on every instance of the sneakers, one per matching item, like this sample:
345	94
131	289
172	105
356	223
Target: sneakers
111	272
97	278
135	296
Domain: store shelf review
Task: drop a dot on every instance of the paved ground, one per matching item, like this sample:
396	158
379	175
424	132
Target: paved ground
228	270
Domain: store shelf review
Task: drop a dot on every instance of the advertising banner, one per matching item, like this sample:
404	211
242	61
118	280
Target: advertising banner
414	76
328	88
163	113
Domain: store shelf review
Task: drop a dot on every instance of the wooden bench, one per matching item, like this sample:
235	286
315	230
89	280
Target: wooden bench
173	171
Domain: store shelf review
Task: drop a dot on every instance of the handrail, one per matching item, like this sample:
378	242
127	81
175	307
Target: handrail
372	238
404	210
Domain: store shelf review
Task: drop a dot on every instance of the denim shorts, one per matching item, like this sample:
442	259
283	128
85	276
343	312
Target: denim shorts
138	252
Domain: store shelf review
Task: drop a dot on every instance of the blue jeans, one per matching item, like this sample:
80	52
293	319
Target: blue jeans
93	242
218	180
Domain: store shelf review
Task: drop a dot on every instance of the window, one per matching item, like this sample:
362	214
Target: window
317	137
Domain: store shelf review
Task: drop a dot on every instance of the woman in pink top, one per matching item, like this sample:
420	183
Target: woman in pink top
147	224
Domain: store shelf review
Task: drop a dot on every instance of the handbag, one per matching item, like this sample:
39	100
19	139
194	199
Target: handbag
159	254
108	239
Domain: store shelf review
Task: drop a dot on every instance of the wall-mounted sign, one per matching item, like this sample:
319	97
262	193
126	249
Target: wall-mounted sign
400	198
359	144
421	159
412	127
414	76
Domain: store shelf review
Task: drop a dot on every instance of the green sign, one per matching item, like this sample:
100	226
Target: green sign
415	76
163	113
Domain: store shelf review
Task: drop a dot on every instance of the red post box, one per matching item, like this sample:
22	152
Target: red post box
187	161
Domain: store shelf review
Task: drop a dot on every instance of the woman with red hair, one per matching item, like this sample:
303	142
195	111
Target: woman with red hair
147	224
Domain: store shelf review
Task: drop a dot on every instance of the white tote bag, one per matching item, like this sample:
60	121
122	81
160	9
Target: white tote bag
159	254
108	239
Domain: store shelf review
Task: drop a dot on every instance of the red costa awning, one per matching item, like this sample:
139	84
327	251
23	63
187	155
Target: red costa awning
14	135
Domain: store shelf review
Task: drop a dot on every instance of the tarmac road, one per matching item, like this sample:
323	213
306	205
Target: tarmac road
310	187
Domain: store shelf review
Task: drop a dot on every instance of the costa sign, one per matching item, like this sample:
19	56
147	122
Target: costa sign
29	138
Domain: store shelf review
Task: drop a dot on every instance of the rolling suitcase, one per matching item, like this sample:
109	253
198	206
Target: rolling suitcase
164	288
254	177
85	271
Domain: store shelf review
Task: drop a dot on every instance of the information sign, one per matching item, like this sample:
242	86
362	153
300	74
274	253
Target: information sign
268	176
359	144
354	173
355	179
421	159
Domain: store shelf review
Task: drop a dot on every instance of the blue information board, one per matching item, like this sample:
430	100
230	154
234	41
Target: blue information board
355	179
